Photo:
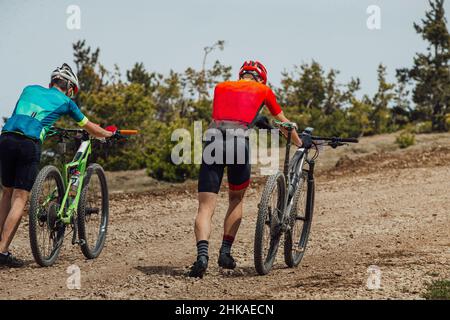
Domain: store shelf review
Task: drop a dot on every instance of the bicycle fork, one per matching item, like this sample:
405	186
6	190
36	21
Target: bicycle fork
310	194
285	219
75	235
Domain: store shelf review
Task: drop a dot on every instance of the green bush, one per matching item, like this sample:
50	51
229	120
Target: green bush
159	161
423	127
406	139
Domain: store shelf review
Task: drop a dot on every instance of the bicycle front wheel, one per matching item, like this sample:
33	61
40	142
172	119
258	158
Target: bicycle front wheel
296	238
268	231
93	212
45	230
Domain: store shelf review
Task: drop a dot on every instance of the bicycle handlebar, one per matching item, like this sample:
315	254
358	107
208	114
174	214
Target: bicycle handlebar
64	132
60	130
336	139
332	140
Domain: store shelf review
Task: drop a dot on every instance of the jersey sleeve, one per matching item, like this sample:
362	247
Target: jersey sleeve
76	114
271	103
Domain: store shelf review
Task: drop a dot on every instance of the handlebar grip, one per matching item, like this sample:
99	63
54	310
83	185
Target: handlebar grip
128	132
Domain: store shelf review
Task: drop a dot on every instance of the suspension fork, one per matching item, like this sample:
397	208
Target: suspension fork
310	194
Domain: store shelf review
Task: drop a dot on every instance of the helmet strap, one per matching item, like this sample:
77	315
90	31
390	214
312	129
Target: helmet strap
68	86
255	77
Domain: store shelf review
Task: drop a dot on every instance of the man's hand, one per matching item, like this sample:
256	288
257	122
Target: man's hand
96	131
115	133
295	138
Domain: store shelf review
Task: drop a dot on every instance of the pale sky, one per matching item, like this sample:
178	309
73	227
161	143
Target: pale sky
171	34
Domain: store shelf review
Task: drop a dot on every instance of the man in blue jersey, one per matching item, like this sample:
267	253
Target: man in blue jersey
36	111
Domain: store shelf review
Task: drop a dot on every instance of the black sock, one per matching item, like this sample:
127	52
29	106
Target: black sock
227	242
202	248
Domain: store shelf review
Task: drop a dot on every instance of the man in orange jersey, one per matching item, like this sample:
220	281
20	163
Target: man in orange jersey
236	106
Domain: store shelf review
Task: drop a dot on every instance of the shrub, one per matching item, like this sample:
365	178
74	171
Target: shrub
423	127
159	161
405	139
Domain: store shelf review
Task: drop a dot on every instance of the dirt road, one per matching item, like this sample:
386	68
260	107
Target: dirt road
383	210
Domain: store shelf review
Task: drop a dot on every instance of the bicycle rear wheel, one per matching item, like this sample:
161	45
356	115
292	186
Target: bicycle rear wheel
268	231
296	238
46	232
93	212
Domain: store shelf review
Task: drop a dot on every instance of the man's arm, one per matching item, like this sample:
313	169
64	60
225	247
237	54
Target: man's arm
96	131
295	138
92	128
277	113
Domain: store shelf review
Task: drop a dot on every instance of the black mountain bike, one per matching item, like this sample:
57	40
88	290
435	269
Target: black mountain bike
287	203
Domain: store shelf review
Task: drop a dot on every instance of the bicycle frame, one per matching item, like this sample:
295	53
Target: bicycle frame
79	163
293	169
293	175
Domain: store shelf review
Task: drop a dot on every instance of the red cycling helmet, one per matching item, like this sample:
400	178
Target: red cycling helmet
251	67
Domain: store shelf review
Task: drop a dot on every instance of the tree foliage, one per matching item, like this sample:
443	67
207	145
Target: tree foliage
430	73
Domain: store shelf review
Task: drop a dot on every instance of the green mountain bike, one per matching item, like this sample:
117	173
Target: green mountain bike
287	203
77	199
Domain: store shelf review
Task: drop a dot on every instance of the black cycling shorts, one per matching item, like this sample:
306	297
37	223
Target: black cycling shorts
19	161
238	164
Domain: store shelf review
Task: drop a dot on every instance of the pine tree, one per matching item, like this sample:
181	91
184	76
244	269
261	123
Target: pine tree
138	74
380	115
431	72
402	113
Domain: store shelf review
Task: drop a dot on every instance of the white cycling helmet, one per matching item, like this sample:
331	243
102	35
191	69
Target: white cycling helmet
65	72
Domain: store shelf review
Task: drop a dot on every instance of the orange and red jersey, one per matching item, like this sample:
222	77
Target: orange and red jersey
241	101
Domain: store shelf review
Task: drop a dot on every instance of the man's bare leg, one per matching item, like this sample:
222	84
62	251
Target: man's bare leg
233	217
206	206
5	206
18	202
231	225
